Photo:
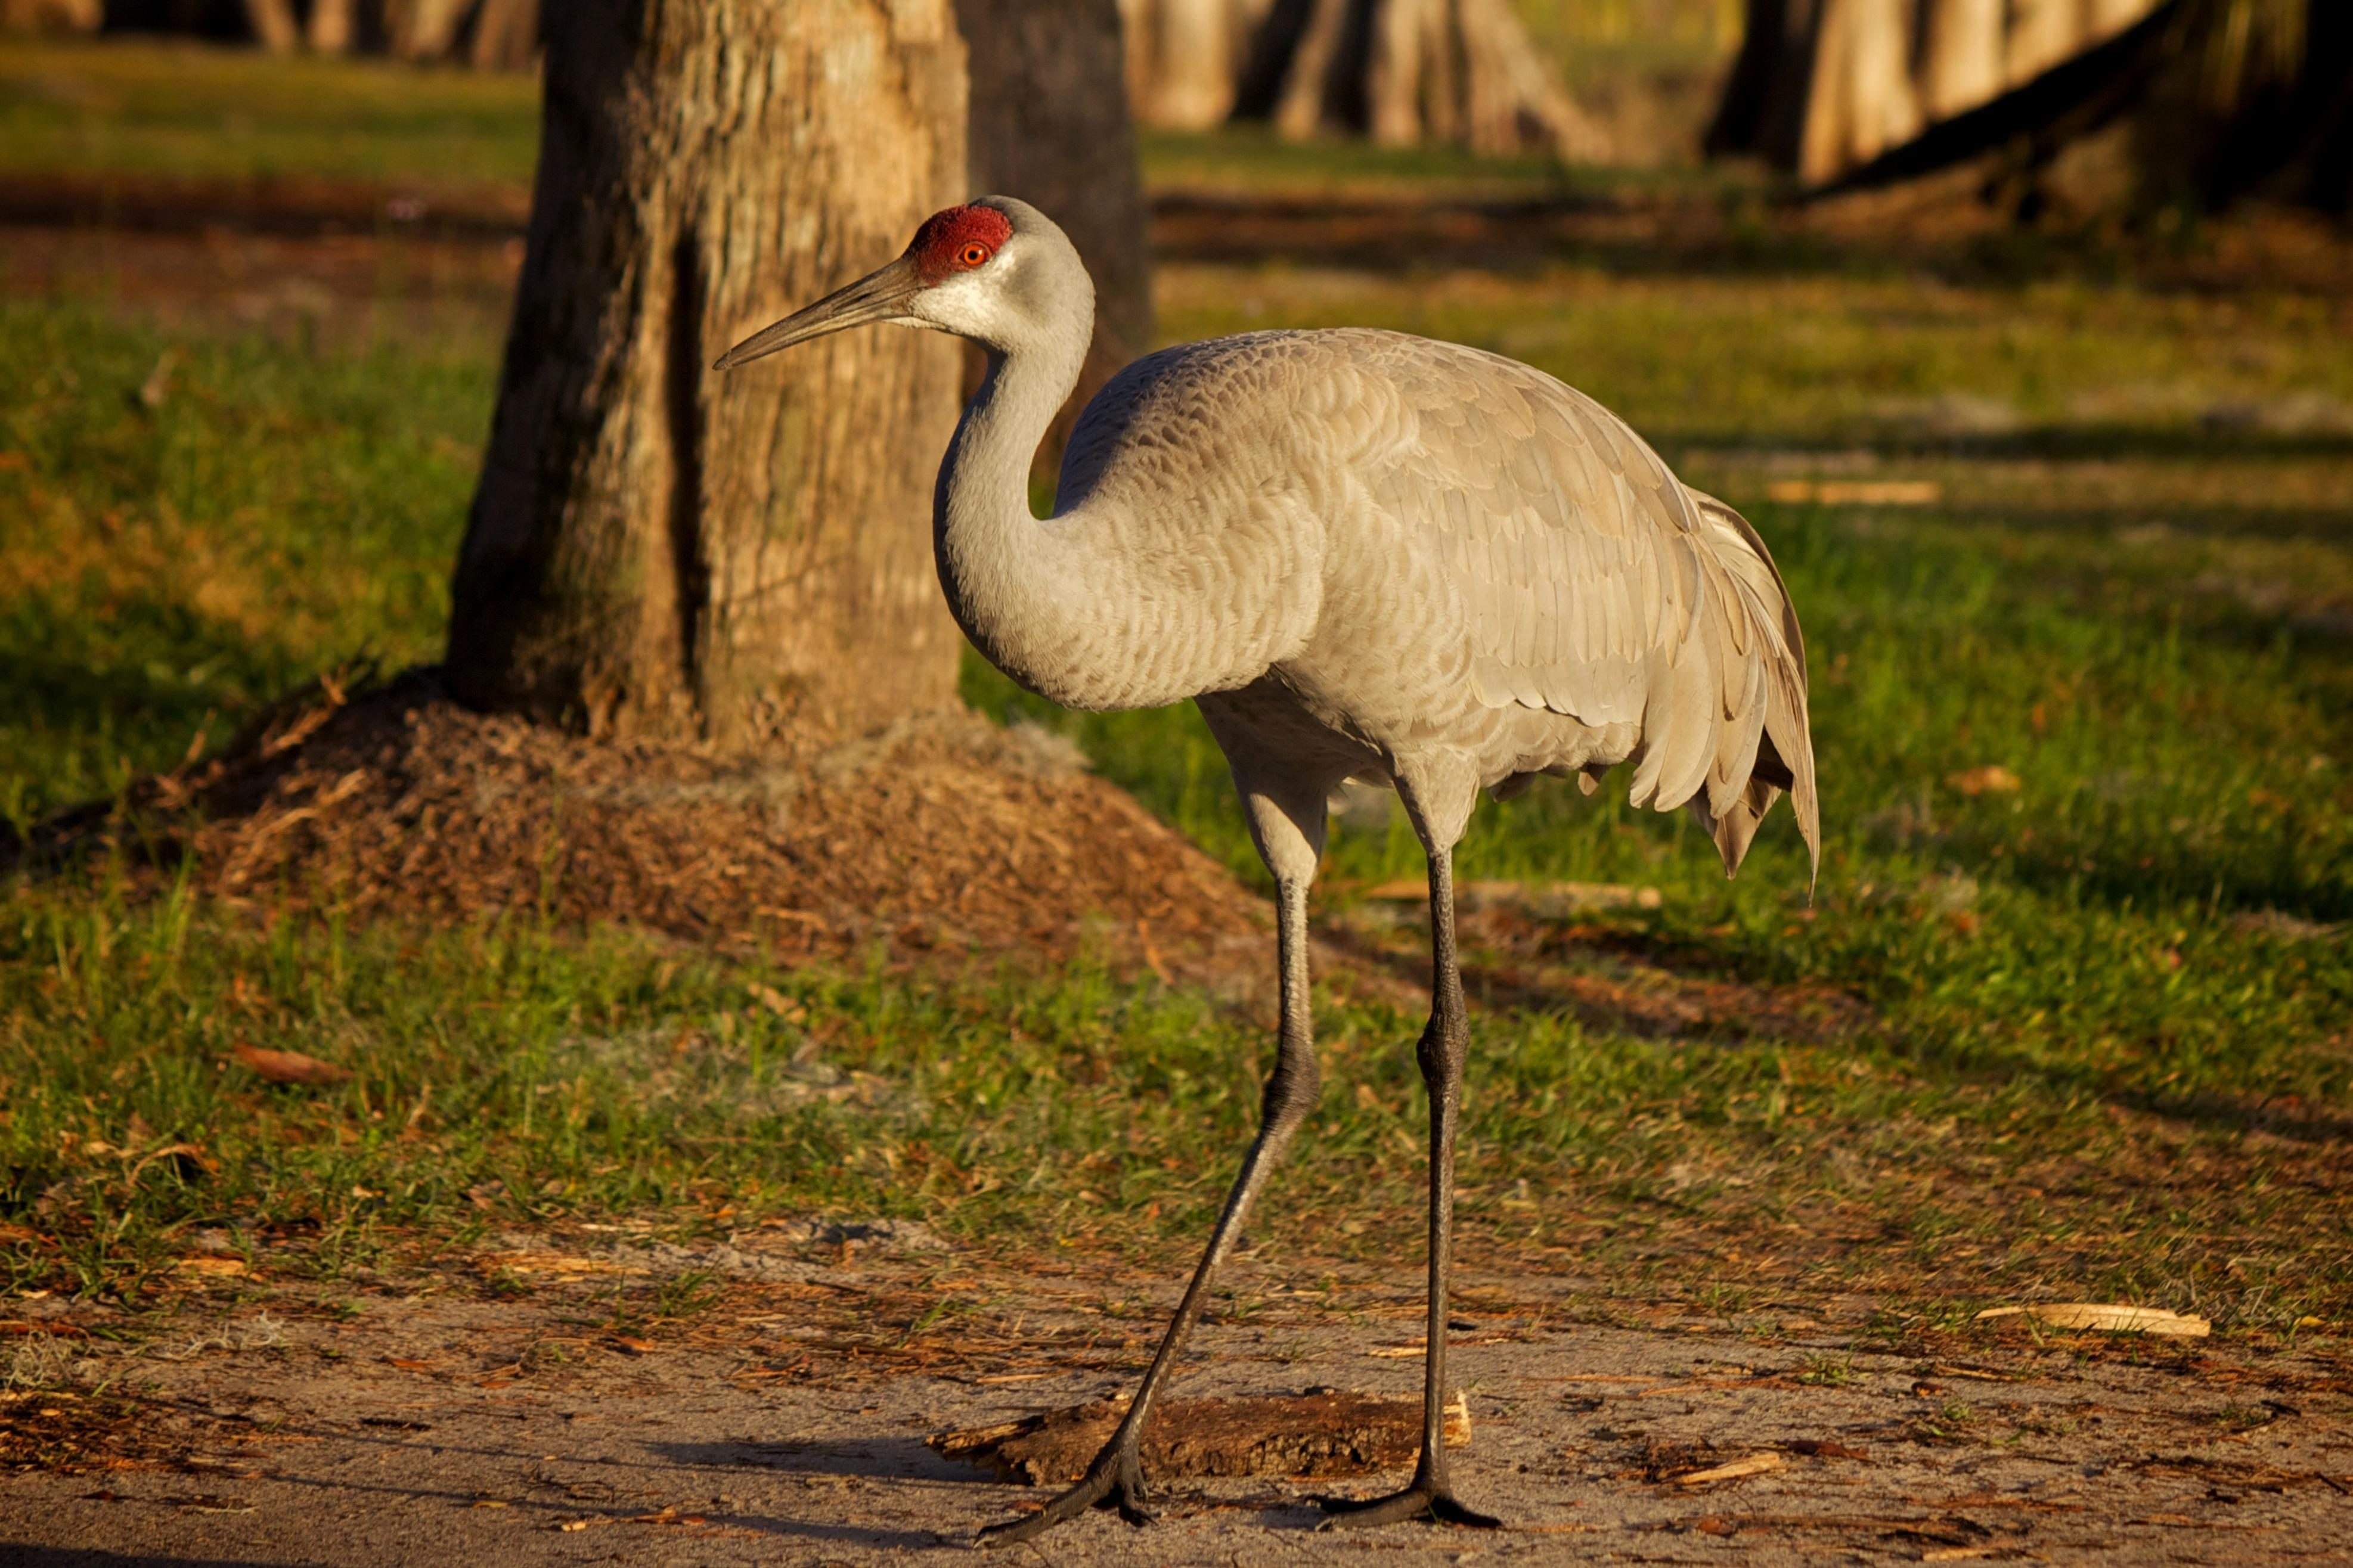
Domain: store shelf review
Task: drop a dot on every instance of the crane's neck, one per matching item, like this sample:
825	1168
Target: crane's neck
1023	590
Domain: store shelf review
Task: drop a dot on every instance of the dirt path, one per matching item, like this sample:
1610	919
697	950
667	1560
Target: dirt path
784	1421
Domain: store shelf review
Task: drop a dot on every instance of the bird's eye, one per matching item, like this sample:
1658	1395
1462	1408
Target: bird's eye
973	254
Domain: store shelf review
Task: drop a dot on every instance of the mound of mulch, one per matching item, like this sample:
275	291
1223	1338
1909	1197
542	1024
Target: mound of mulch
944	833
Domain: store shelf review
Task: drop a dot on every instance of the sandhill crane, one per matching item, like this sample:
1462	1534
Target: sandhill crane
1362	555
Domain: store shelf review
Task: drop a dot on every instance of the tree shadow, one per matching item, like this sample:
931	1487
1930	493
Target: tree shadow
2287	1117
884	1459
1630	985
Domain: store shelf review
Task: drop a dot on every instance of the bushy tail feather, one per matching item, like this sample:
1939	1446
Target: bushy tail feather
1785	755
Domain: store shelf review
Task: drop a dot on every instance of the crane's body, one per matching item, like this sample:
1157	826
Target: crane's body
1363	554
1369	548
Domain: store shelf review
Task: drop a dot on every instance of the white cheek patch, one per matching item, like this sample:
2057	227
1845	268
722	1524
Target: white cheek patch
968	304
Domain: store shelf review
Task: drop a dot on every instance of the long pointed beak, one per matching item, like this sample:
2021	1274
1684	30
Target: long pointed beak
879	296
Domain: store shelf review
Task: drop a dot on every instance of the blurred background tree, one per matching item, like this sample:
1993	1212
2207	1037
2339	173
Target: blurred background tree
2147	103
1399	72
491	34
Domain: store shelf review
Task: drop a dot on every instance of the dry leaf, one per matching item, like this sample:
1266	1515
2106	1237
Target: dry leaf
287	1067
1990	779
2106	1317
561	1263
1755	1464
210	1263
776	1001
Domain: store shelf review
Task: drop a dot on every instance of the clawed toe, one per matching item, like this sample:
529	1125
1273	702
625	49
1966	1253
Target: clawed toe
1433	1504
1108	1483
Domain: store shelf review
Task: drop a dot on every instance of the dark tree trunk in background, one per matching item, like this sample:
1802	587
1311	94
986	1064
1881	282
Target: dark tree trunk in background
332	28
1184	58
273	25
1399	72
51	15
506	35
654	551
1050	124
1823	87
2193	101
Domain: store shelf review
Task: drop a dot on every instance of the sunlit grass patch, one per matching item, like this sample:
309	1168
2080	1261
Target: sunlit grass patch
190	111
504	1076
166	565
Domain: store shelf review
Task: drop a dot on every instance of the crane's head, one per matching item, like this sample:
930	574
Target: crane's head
996	270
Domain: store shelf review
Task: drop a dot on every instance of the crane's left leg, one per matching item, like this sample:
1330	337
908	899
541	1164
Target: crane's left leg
1444	1043
1287	825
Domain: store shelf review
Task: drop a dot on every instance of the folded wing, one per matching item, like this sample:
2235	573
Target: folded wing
1600	586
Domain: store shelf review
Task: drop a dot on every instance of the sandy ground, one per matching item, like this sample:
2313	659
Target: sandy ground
785	1423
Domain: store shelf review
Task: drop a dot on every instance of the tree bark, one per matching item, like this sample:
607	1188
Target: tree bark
1823	87
1860	100
332	28
1050	124
2042	34
423	30
1399	72
51	15
653	551
1961	54
273	25
2217	98
506	35
1184	58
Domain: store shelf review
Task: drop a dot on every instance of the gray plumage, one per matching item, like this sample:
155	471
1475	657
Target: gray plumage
1363	554
1417	547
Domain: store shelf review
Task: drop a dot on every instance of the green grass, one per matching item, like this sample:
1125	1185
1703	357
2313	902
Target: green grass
2099	1025
144	110
162	570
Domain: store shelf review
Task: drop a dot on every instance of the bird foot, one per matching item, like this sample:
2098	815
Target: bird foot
1115	1480
1433	1501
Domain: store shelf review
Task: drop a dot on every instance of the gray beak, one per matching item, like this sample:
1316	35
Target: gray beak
879	296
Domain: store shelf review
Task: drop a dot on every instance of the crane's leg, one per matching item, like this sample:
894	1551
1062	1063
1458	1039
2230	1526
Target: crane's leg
1291	838
1444	1042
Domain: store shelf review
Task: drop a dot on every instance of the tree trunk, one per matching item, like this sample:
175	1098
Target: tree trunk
51	15
1050	124
1961	54
506	35
1400	71
2042	34
1185	57
655	551
2216	99
1822	86
334	26
273	25
423	30
1860	100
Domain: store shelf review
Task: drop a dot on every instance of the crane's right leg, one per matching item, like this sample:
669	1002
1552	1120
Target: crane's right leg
1290	835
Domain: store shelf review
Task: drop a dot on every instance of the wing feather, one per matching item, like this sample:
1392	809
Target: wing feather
1597	586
